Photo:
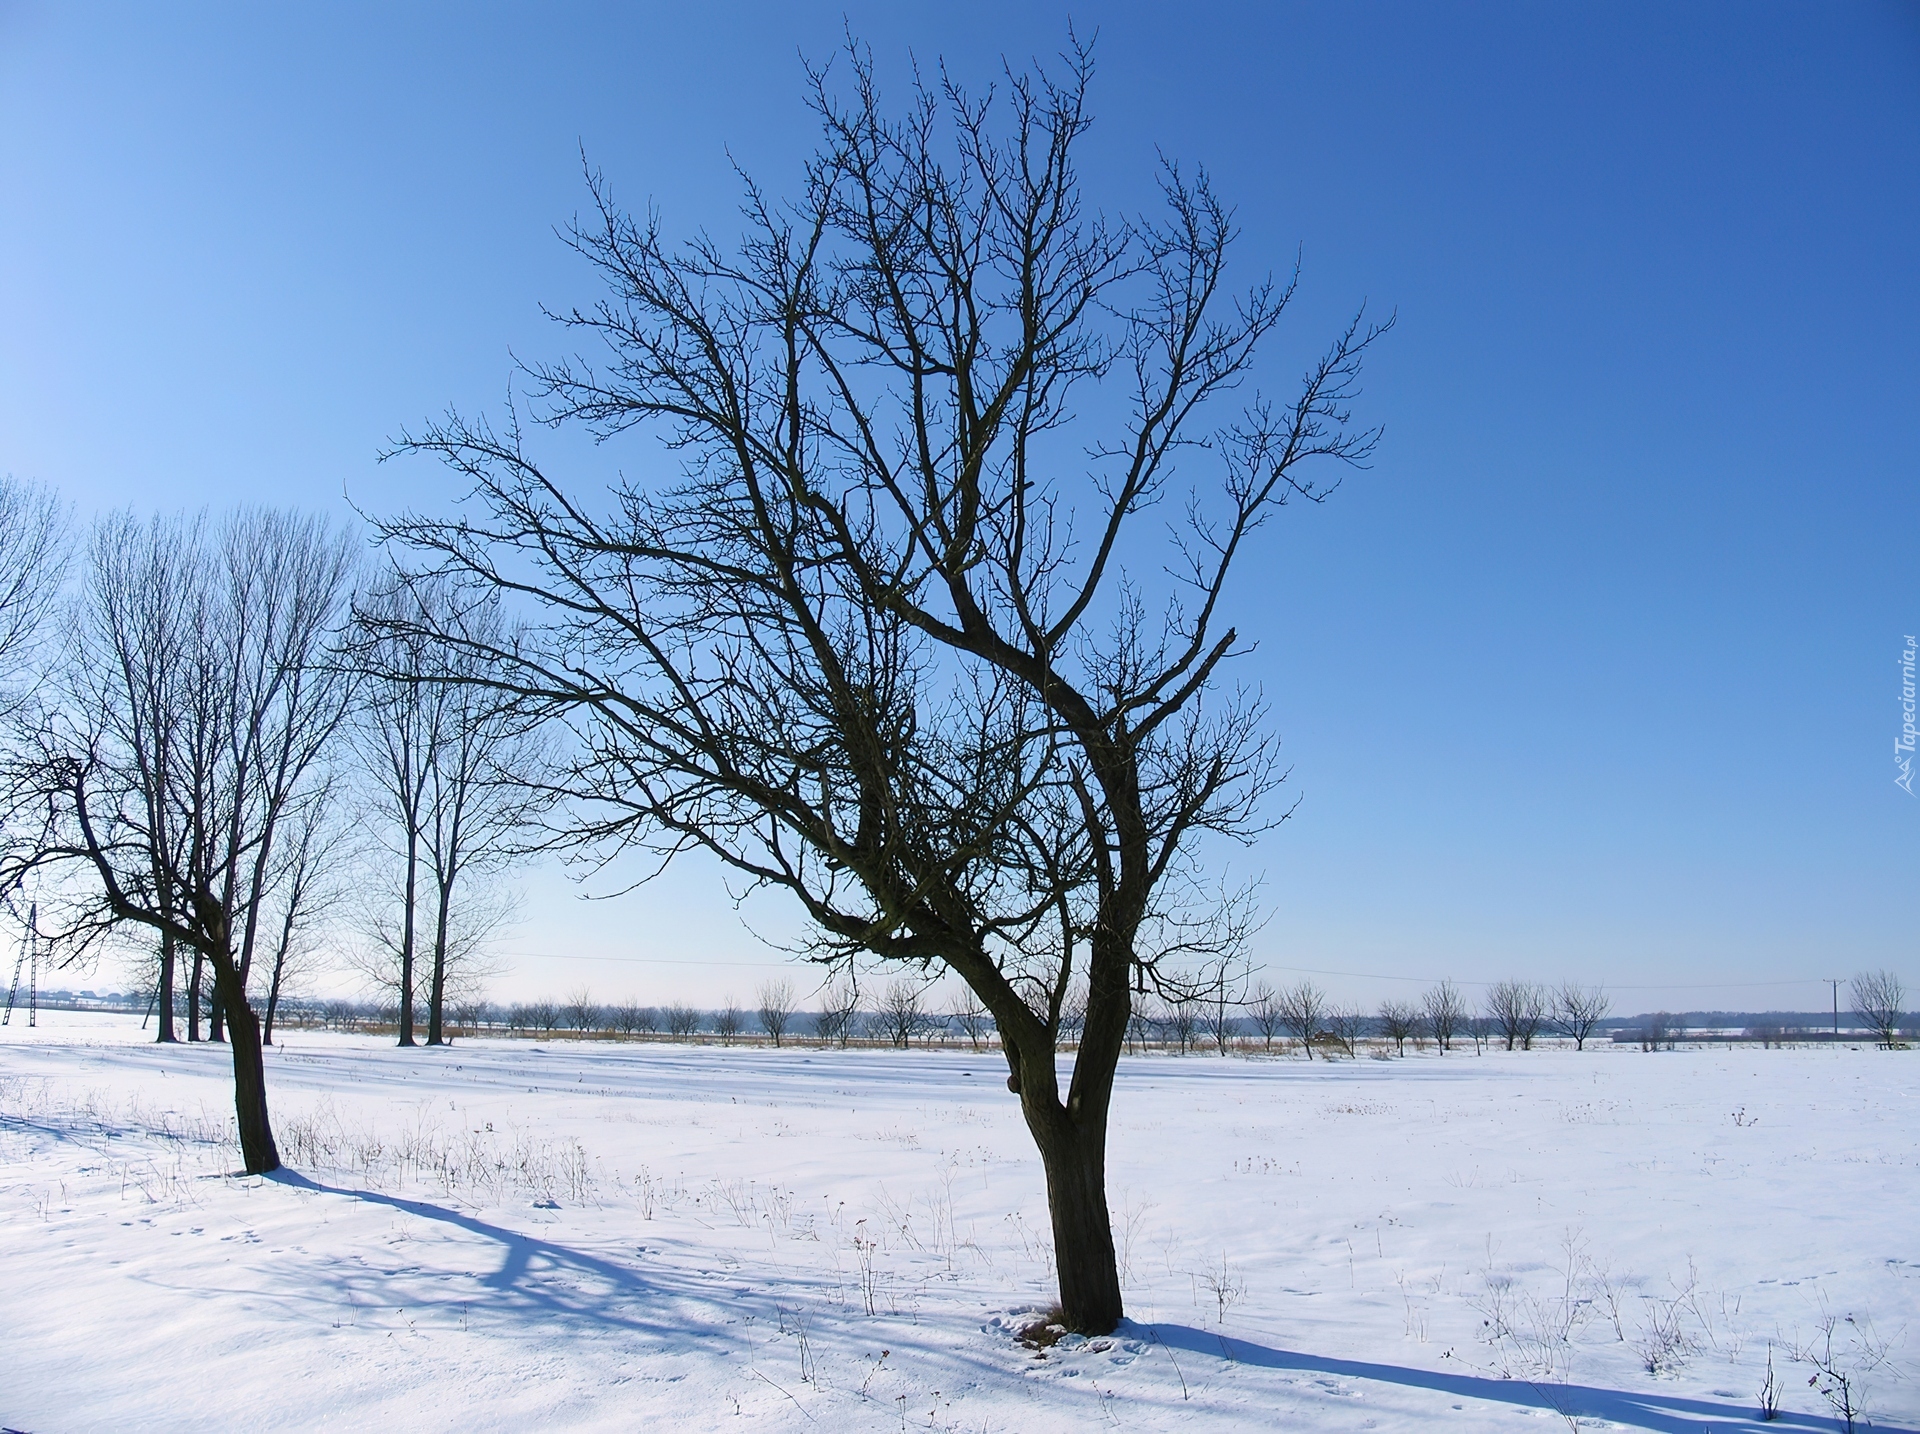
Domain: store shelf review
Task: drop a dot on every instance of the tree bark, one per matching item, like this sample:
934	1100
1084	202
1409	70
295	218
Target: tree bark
257	1150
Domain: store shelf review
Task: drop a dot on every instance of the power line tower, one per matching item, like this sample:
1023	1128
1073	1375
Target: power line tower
1834	981
29	957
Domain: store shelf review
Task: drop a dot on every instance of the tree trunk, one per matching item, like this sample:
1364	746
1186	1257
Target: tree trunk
1075	1157
163	997
193	997
437	989
406	942
257	1149
273	1005
1072	1139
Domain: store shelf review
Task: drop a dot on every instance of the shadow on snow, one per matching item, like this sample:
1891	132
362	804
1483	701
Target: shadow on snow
1653	1410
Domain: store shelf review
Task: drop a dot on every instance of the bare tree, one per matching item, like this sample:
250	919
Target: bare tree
398	725
1878	999
580	1012
465	952
1480	1028
898	1014
682	1020
1577	1011
33	562
971	1017
486	783
1517	1009
631	1018
1346	1025
729	1021
1179	1020
1444	1012
1219	1016
1302	1011
853	652
311	885
247	618
1399	1021
1264	1010
839	1009
776	1008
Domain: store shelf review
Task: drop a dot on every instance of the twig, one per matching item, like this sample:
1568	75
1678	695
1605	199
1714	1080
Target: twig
796	1403
1154	1335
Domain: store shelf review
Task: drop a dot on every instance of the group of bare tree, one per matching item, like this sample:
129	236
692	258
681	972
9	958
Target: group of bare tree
177	787
177	762
894	641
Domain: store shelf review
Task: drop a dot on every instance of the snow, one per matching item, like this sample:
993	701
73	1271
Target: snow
514	1235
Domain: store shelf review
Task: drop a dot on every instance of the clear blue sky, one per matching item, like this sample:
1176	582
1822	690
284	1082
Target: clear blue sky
1592	675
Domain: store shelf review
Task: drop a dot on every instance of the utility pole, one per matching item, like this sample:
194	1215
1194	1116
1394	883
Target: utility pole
1834	981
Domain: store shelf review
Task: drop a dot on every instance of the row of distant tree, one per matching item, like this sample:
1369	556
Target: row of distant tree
1514	1014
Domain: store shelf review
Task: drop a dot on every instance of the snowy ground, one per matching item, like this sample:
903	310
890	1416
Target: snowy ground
517	1235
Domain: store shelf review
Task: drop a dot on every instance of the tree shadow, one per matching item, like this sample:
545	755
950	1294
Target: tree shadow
539	1278
1635	1409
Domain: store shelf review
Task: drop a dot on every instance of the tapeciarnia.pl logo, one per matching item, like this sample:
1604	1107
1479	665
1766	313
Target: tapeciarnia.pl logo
1903	744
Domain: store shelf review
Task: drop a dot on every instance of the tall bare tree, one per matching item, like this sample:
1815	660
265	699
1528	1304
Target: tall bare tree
167	814
488	781
398	729
878	645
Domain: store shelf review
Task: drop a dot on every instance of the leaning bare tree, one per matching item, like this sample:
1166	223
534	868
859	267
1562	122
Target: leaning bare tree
878	645
169	816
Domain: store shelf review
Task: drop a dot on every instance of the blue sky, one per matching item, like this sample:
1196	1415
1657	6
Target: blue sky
1593	674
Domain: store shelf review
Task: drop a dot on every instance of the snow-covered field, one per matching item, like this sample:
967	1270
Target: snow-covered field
519	1235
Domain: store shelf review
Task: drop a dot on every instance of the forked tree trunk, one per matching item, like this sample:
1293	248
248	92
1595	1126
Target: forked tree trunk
1072	1140
257	1150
